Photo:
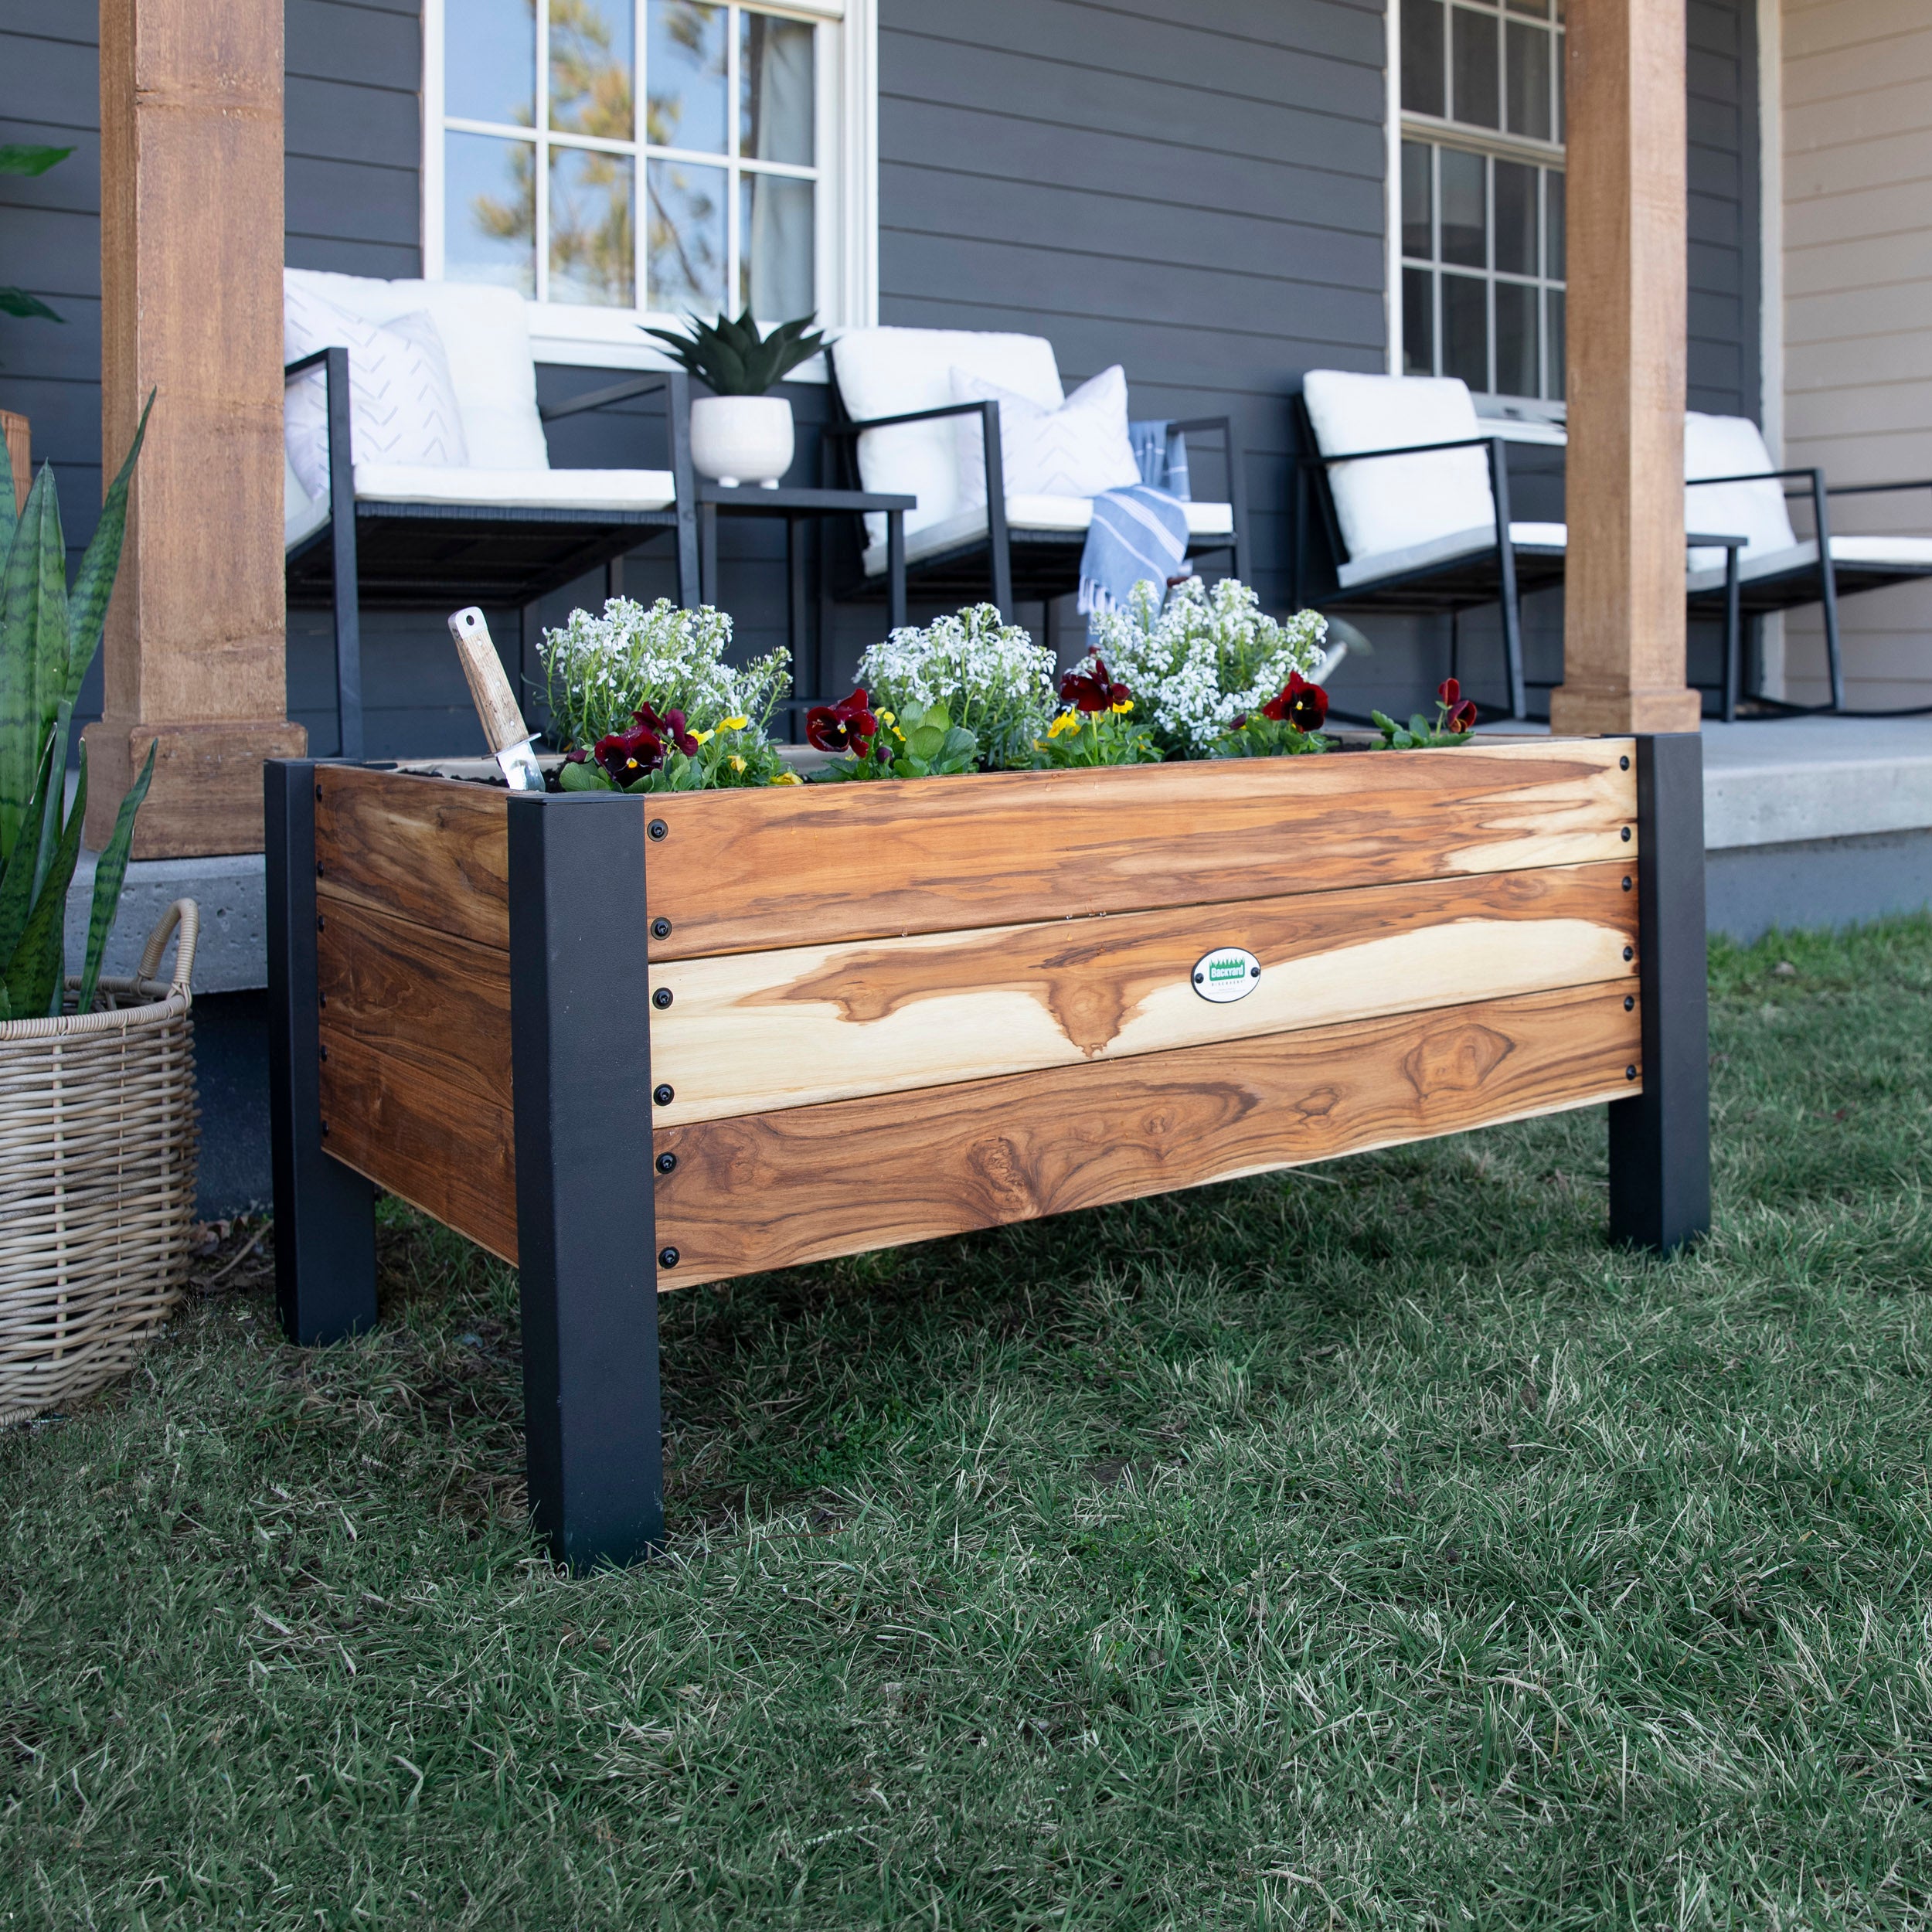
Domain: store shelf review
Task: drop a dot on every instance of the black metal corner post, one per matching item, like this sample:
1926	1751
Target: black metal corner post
324	1213
1660	1163
345	579
1506	574
998	539
684	483
580	1058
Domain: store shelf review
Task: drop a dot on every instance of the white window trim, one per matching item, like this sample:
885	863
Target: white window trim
847	162
1518	419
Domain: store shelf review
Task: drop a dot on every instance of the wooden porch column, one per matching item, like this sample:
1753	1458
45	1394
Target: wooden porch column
1623	611
191	283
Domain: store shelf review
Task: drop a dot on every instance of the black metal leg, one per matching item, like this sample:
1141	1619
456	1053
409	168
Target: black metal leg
345	590
708	553
1733	635
1660	1185
324	1213
1506	564
896	569
586	1246
1455	644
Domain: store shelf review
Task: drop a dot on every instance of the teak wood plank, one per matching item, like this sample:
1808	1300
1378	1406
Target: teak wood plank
748	1033
802	866
429	1000
431	850
770	1190
441	1147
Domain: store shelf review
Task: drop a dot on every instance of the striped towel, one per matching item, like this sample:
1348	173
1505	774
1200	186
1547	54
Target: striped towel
1136	532
1162	458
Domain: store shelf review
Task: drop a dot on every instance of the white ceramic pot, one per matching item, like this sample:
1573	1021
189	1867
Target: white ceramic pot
741	438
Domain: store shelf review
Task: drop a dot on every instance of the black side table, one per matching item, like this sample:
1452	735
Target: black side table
798	506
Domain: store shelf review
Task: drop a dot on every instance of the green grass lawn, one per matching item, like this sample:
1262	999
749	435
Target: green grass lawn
1367	1546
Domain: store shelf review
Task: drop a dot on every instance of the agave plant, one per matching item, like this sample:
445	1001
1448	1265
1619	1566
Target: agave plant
734	358
49	633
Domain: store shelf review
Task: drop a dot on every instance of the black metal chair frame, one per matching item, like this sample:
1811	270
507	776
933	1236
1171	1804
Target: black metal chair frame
1759	596
437	544
1499	574
1048	560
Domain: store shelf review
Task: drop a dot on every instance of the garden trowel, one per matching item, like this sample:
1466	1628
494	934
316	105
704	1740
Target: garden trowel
503	725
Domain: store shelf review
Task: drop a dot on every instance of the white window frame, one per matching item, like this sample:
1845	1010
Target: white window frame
846	274
1527	418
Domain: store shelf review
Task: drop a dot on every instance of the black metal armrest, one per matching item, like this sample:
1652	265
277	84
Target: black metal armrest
1320	462
1752	476
911	416
1876	489
674	380
315	359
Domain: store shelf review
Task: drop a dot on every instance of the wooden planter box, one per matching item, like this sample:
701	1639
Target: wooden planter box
633	1044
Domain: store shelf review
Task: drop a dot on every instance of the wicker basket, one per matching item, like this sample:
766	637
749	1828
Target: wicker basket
96	1177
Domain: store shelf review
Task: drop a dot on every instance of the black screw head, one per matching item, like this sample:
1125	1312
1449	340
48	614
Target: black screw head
657	829
661	998
324	1130
1254	972
1630	1072
667	1257
319	926
321	1052
1199	977
1627	884
318	791
666	1162
1626	835
665	1095
1623	764
1630	1001
1630	952
660	929
318	869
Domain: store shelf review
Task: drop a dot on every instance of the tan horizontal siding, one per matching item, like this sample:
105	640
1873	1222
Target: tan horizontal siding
1857	86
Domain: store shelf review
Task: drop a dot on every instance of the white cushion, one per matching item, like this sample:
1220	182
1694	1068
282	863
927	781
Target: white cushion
1440	549
527	489
1732	446
891	372
486	339
402	405
1408	500
1080	449
300	512
1057	513
1909	556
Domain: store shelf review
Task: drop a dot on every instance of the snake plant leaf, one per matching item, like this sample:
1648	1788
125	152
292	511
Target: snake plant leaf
17	158
108	874
51	825
17	875
33	651
94	581
35	973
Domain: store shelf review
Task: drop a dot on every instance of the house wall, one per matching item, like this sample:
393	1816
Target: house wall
1197	194
1856	78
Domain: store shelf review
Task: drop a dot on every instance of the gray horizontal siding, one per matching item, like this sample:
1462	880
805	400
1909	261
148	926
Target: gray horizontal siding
1196	194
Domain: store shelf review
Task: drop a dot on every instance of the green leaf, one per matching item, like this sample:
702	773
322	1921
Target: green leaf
33	639
583	776
56	770
18	878
17	301
94	581
34	973
110	873
17	159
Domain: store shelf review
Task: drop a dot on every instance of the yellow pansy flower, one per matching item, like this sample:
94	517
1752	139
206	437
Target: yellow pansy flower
1067	721
702	737
737	763
1122	708
733	724
787	778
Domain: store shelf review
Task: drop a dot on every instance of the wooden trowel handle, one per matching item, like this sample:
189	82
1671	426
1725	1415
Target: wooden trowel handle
495	702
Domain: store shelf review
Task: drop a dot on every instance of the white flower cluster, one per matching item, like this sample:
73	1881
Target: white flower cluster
600	669
991	676
1204	660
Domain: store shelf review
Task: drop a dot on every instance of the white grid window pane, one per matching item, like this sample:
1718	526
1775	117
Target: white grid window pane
489	210
777	88
685	240
776	239
688	76
593	243
592	65
489	61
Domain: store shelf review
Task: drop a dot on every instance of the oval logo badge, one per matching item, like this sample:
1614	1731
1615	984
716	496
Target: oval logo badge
1228	973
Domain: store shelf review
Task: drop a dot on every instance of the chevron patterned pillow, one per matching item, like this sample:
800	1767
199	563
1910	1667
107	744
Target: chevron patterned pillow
1080	449
401	402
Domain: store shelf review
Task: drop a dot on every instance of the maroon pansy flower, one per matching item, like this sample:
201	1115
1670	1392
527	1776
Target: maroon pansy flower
1462	710
1301	704
628	755
1095	690
670	727
850	725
